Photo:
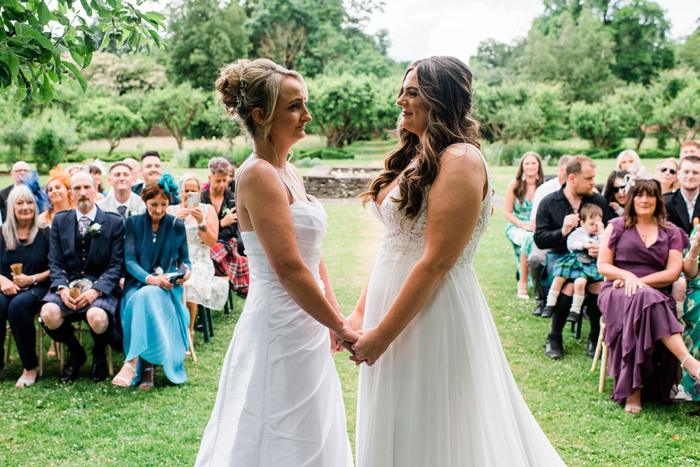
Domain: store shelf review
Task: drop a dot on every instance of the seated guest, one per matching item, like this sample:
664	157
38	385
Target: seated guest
629	160
615	191
121	199
136	182
227	261
689	148
231	185
691	315
57	189
202	225
19	170
641	255
557	217
535	257
96	173
519	197
153	314
682	208
24	276
86	244
152	169
667	175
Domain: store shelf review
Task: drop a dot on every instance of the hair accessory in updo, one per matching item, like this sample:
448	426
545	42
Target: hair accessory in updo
241	94
168	185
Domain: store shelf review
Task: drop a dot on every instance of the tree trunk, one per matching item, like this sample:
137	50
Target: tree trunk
640	140
113	145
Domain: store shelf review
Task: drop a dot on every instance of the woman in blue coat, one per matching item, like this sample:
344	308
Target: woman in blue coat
153	314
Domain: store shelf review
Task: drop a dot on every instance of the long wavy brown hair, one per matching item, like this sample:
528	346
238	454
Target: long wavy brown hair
520	184
445	85
653	189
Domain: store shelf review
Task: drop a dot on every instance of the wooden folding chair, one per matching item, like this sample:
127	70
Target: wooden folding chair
601	352
60	349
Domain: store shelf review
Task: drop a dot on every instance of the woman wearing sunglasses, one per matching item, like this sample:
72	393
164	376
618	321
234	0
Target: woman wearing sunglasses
615	191
667	175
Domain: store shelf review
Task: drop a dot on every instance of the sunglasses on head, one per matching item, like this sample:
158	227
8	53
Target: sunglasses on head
664	169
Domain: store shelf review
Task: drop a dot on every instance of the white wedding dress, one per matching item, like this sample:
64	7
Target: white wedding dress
279	402
442	394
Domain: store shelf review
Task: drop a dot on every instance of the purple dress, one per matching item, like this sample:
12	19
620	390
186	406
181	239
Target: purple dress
633	325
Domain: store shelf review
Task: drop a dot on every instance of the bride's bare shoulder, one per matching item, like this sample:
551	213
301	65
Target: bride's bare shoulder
461	159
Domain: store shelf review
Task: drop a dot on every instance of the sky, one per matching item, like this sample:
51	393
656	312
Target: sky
422	28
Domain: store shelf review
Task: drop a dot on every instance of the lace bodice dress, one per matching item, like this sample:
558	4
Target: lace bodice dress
442	394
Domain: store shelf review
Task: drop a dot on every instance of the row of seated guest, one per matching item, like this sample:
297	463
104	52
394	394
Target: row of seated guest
667	175
518	205
99	306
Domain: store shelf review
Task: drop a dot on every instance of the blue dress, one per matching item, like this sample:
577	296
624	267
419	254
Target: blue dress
155	321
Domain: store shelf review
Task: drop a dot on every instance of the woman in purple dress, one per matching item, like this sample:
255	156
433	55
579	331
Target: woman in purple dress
641	257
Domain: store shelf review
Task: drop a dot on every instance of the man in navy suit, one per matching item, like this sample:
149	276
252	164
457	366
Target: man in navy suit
86	243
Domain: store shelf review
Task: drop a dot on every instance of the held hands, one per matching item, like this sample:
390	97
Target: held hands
570	223
370	347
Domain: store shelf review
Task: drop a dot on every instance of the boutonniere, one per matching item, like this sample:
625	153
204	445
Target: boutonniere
159	271
224	211
94	229
133	212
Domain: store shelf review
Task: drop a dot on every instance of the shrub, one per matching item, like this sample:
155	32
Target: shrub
307	163
56	136
326	153
200	157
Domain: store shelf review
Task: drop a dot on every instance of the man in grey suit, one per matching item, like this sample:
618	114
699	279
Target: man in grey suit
122	200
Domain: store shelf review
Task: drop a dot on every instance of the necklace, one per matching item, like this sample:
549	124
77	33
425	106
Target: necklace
155	236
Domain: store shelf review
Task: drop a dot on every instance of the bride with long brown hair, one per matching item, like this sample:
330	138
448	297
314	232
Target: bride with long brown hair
436	388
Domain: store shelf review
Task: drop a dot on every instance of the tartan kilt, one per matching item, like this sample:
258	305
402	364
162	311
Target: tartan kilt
228	263
569	267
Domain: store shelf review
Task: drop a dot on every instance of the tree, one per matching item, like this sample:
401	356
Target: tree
212	122
202	38
56	136
689	51
34	38
103	118
641	106
116	75
523	111
640	32
343	107
579	55
496	61
603	123
176	107
676	101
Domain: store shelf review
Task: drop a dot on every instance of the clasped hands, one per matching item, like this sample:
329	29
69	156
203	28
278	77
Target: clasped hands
365	346
84	299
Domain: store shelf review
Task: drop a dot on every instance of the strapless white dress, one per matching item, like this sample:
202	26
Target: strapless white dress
443	393
279	402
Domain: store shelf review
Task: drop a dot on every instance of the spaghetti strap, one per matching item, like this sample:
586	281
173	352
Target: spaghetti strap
245	165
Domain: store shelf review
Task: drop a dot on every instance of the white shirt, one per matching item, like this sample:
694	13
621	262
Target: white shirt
690	205
547	188
90	215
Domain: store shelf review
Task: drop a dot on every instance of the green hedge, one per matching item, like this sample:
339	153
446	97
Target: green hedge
326	153
512	152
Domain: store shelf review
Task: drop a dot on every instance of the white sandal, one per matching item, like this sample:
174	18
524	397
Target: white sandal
696	377
121	379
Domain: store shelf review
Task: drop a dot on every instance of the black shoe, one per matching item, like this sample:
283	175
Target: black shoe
99	367
591	348
72	367
538	309
553	348
573	317
547	312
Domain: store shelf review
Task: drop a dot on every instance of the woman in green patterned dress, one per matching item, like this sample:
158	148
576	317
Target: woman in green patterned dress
691	315
519	196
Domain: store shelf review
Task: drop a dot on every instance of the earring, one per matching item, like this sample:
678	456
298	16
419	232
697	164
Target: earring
523	177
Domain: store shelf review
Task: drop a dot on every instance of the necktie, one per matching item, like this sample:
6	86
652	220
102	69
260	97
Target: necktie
83	225
122	211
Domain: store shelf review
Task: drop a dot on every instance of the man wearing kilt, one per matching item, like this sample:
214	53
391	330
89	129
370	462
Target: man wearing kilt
86	260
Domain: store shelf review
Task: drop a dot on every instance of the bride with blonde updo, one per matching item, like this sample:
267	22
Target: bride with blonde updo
279	401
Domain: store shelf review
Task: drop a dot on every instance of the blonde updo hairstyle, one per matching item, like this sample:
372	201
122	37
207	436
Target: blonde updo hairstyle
261	81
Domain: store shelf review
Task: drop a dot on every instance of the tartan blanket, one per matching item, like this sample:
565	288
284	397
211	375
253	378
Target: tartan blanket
227	262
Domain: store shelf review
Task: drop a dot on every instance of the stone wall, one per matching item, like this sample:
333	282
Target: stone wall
327	181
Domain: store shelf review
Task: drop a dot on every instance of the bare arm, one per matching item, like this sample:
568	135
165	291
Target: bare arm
510	204
690	264
454	205
264	198
668	276
211	234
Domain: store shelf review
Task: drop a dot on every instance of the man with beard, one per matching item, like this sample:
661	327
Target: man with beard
87	244
557	217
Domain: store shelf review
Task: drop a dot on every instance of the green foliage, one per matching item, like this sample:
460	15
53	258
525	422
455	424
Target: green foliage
677	103
103	118
175	107
603	123
18	137
199	157
326	153
56	135
212	122
689	51
35	39
343	107
577	53
116	75
203	37
496	62
640	110
523	111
